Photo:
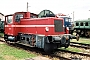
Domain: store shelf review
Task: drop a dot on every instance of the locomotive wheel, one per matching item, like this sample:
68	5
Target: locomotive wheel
67	44
81	33
86	35
48	48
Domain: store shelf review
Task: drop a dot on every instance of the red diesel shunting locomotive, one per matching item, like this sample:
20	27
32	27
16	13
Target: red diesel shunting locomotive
43	30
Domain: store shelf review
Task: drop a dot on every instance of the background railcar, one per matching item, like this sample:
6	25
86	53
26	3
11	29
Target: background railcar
82	27
67	22
1	26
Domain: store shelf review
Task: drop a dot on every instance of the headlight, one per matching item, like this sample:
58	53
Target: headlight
47	28
67	28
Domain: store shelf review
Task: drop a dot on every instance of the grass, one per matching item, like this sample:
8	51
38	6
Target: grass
11	53
1	34
82	40
1	58
72	49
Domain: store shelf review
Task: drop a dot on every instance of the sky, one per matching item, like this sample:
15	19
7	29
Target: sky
79	7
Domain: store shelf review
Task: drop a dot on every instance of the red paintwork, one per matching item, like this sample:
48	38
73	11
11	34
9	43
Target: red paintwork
15	28
67	31
39	30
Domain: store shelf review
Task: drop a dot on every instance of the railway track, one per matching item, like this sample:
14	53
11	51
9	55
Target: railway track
72	55
34	50
2	39
80	45
57	54
79	53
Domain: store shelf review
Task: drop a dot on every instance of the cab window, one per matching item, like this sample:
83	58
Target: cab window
66	19
18	17
9	19
69	20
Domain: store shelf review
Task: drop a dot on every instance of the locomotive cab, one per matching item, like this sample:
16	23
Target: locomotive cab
11	21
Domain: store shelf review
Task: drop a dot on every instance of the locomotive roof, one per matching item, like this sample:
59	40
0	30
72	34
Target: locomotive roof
21	12
82	20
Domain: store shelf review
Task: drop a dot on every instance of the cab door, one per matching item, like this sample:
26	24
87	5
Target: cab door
9	25
17	22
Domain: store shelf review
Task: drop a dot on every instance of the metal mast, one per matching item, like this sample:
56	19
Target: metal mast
27	6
